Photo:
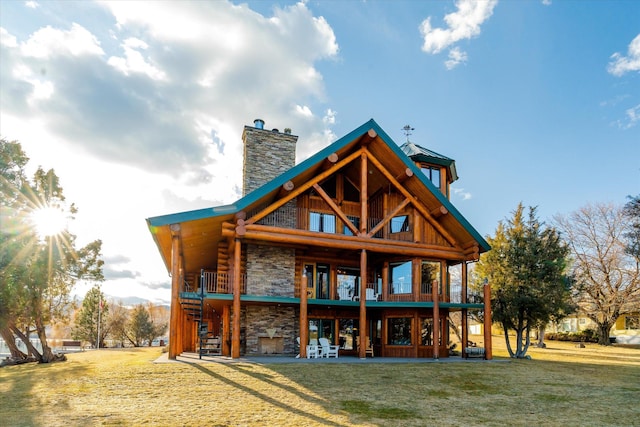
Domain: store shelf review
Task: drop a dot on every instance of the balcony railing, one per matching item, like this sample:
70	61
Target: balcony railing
220	283
293	217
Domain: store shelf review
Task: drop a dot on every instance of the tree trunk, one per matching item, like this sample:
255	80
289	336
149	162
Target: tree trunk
47	354
10	340
541	343
506	339
603	333
25	339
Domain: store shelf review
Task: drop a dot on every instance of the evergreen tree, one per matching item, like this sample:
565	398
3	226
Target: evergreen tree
91	323
526	270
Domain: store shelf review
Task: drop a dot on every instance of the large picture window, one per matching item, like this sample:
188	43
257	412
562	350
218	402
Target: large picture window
399	331
400	277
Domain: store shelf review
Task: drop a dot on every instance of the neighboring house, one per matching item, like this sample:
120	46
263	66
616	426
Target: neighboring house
627	329
359	242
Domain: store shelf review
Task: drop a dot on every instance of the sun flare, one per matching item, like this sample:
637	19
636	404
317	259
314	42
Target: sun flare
48	221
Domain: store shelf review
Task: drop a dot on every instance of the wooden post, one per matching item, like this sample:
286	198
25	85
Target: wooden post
235	340
436	319
362	349
175	291
464	313
364	198
488	353
226	327
304	321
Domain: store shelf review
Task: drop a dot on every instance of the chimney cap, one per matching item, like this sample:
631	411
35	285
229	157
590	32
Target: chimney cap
275	130
258	123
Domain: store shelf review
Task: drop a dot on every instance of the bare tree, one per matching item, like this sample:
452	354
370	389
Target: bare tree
607	275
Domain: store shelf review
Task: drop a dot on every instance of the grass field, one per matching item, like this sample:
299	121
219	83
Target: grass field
562	385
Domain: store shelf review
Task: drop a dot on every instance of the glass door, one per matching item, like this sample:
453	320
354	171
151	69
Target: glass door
317	280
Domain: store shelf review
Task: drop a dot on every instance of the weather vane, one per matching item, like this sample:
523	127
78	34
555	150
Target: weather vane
407	131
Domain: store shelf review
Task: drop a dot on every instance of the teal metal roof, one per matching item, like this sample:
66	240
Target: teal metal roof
272	187
422	154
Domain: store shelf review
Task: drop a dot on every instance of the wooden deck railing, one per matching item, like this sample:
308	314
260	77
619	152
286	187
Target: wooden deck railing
221	283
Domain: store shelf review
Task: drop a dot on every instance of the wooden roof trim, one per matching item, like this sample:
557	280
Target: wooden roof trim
416	203
304	187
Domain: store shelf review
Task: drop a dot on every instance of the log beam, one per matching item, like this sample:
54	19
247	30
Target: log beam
328	200
422	209
296	192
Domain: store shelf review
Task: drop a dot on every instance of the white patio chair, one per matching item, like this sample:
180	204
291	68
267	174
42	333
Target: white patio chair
328	350
313	351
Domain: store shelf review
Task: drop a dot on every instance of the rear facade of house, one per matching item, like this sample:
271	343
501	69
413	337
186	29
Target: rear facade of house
358	244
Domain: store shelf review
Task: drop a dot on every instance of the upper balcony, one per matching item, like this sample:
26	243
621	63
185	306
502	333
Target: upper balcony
221	283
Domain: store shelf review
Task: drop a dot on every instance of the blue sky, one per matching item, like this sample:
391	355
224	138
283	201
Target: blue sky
139	106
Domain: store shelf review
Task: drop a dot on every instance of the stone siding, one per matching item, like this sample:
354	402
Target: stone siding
281	322
270	271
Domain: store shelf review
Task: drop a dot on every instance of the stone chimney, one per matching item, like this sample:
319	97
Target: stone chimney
267	155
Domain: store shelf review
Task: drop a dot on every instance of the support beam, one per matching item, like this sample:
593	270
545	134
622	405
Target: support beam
305	238
436	319
408	173
464	313
364	193
307	185
362	348
304	322
226	328
438	212
388	218
419	206
488	353
335	208
235	340
175	291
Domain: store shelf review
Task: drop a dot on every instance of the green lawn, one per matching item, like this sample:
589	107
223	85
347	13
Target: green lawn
562	385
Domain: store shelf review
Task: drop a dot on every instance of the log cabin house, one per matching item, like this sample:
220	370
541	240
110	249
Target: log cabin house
357	244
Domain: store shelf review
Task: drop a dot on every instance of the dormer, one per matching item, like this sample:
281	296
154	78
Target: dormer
441	170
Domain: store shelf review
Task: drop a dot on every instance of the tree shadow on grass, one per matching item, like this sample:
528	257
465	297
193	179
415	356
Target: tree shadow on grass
21	404
266	398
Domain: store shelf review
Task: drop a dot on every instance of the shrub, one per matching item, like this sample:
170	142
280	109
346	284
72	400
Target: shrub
588	335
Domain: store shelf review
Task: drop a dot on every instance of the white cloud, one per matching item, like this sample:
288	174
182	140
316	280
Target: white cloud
621	64
456	57
464	195
31	4
329	117
304	111
48	42
134	62
546	2
462	24
632	117
136	113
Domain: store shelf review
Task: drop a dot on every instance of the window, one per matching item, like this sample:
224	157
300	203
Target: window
348	334
348	283
400	277
400	223
323	222
399	331
426	331
356	222
430	271
632	322
433	173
